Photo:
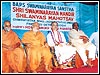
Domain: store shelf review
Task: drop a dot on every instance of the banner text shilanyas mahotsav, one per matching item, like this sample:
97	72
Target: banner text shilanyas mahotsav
25	14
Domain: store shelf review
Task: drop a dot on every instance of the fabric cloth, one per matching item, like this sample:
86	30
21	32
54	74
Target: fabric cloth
81	47
95	39
14	59
36	50
64	53
50	39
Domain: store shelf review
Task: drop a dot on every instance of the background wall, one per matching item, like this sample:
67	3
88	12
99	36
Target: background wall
86	16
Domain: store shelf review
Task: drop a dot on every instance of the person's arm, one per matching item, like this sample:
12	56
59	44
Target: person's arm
16	45
26	40
5	46
11	47
17	41
46	45
84	37
42	39
83	34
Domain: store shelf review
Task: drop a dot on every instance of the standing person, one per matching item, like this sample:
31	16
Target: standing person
80	40
95	38
13	56
64	52
37	48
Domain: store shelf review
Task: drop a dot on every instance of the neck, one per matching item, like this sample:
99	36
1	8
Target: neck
54	30
76	29
34	32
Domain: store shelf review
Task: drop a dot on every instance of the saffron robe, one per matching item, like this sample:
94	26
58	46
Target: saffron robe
14	59
36	50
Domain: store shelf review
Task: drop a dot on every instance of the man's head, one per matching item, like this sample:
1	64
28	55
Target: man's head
35	26
7	26
54	26
75	26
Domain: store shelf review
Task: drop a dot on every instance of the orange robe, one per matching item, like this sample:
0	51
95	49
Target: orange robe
12	59
36	50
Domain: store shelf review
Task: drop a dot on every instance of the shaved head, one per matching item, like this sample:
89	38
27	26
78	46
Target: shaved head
35	26
7	24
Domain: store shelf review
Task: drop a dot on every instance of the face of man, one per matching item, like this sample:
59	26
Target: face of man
35	27
7	26
54	26
75	26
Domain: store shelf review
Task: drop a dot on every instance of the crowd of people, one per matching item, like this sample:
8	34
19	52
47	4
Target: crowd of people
28	52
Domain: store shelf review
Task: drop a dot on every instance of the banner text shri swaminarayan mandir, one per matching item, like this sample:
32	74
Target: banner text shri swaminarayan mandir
23	14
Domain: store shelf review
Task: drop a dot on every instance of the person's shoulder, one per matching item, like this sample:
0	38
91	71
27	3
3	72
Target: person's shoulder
80	30
11	31
95	33
72	30
40	32
27	32
49	34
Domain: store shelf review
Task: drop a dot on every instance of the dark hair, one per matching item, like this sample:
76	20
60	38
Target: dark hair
6	21
74	24
54	22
